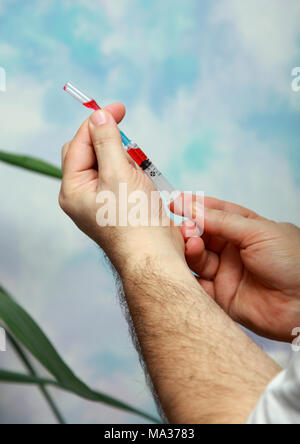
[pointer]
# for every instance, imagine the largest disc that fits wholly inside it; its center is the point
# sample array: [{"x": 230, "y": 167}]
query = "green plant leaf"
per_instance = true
[
  {"x": 29, "y": 334},
  {"x": 20, "y": 378},
  {"x": 29, "y": 366},
  {"x": 31, "y": 163}
]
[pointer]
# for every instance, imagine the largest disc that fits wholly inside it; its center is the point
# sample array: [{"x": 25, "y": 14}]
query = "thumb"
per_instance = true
[
  {"x": 231, "y": 227},
  {"x": 107, "y": 140}
]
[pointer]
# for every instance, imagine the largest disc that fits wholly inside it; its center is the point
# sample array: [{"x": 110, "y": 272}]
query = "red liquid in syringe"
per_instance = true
[
  {"x": 92, "y": 105},
  {"x": 135, "y": 153}
]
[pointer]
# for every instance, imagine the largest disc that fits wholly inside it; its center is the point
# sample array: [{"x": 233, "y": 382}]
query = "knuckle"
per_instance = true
[
  {"x": 225, "y": 218},
  {"x": 65, "y": 149},
  {"x": 292, "y": 228},
  {"x": 64, "y": 200},
  {"x": 106, "y": 135},
  {"x": 289, "y": 225},
  {"x": 108, "y": 176},
  {"x": 252, "y": 215},
  {"x": 229, "y": 219}
]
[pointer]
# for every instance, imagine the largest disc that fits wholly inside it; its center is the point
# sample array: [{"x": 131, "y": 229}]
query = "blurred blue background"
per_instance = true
[{"x": 207, "y": 86}]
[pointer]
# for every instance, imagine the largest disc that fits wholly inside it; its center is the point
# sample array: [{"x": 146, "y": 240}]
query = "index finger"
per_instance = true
[
  {"x": 229, "y": 207},
  {"x": 210, "y": 202}
]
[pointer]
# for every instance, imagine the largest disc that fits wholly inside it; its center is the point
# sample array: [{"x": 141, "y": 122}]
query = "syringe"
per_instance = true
[{"x": 133, "y": 149}]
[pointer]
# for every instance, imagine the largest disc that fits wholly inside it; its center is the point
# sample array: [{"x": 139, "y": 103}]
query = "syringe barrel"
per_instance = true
[{"x": 161, "y": 183}]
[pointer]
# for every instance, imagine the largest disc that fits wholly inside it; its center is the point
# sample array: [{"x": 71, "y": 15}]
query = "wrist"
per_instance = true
[
  {"x": 148, "y": 247},
  {"x": 155, "y": 274},
  {"x": 138, "y": 268}
]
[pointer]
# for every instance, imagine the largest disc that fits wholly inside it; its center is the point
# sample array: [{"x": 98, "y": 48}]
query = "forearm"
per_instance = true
[{"x": 203, "y": 367}]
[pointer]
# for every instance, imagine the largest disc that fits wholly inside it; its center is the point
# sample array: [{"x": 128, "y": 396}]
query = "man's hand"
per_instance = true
[
  {"x": 203, "y": 367},
  {"x": 96, "y": 161},
  {"x": 249, "y": 265}
]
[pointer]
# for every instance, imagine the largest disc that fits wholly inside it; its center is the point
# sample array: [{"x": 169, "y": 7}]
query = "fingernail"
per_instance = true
[
  {"x": 190, "y": 229},
  {"x": 197, "y": 210},
  {"x": 99, "y": 118}
]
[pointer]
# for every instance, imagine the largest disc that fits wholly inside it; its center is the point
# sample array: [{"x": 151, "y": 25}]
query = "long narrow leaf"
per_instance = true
[
  {"x": 29, "y": 366},
  {"x": 25, "y": 330},
  {"x": 20, "y": 378},
  {"x": 31, "y": 163}
]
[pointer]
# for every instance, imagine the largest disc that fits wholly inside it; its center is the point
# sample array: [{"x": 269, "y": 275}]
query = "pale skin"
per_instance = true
[
  {"x": 250, "y": 266},
  {"x": 203, "y": 366}
]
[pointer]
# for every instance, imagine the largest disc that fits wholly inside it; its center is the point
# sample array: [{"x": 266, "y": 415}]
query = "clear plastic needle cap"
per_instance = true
[{"x": 76, "y": 93}]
